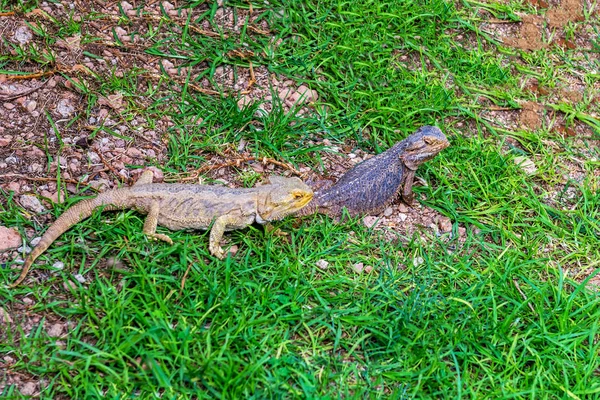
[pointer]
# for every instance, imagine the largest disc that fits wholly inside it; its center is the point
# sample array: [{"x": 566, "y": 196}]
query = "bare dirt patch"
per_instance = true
[
  {"x": 530, "y": 116},
  {"x": 536, "y": 32},
  {"x": 562, "y": 12},
  {"x": 528, "y": 35},
  {"x": 558, "y": 23},
  {"x": 538, "y": 3}
]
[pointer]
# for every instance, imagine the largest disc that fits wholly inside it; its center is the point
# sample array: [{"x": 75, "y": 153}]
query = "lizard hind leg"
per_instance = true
[
  {"x": 151, "y": 222},
  {"x": 216, "y": 234}
]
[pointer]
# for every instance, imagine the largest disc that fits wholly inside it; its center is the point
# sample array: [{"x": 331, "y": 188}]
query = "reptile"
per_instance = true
[
  {"x": 186, "y": 206},
  {"x": 373, "y": 184}
]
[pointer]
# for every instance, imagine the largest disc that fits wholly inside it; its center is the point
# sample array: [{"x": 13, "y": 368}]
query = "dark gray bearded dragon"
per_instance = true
[{"x": 372, "y": 185}]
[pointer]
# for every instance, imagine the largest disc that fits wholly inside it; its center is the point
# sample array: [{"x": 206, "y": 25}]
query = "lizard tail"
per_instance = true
[{"x": 111, "y": 200}]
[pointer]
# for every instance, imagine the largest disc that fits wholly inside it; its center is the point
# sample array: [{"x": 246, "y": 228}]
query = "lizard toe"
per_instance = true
[{"x": 160, "y": 236}]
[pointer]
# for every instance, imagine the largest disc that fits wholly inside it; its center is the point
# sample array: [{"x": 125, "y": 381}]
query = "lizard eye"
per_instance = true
[{"x": 428, "y": 140}]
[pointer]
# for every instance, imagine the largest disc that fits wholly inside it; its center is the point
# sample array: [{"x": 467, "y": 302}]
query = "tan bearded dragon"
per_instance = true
[{"x": 185, "y": 206}]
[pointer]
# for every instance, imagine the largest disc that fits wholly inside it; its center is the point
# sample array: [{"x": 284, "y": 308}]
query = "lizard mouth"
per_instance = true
[{"x": 305, "y": 200}]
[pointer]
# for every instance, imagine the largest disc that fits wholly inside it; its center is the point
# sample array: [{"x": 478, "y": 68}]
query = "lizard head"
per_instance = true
[
  {"x": 280, "y": 197},
  {"x": 422, "y": 146}
]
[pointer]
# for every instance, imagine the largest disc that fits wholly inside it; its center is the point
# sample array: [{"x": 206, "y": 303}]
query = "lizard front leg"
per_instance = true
[
  {"x": 269, "y": 228},
  {"x": 144, "y": 179},
  {"x": 216, "y": 234},
  {"x": 407, "y": 193},
  {"x": 151, "y": 222}
]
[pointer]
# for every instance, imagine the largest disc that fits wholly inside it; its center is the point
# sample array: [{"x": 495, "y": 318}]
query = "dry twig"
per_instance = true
[
  {"x": 35, "y": 179},
  {"x": 236, "y": 163},
  {"x": 516, "y": 283},
  {"x": 8, "y": 97},
  {"x": 111, "y": 168},
  {"x": 252, "y": 77},
  {"x": 185, "y": 275}
]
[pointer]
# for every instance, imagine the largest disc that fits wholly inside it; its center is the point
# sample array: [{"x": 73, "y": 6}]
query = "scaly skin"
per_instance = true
[
  {"x": 181, "y": 206},
  {"x": 372, "y": 185}
]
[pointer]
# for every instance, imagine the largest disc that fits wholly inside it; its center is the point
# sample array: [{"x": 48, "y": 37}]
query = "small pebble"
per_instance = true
[
  {"x": 444, "y": 224},
  {"x": 65, "y": 108},
  {"x": 28, "y": 301},
  {"x": 120, "y": 32},
  {"x": 58, "y": 265},
  {"x": 370, "y": 221},
  {"x": 233, "y": 250},
  {"x": 134, "y": 152},
  {"x": 28, "y": 389},
  {"x": 358, "y": 267},
  {"x": 55, "y": 330},
  {"x": 526, "y": 165},
  {"x": 5, "y": 318},
  {"x": 9, "y": 238},
  {"x": 31, "y": 106},
  {"x": 24, "y": 249},
  {"x": 322, "y": 264},
  {"x": 94, "y": 157},
  {"x": 31, "y": 203}
]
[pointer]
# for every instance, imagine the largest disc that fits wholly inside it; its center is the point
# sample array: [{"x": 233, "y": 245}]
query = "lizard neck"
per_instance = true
[{"x": 310, "y": 208}]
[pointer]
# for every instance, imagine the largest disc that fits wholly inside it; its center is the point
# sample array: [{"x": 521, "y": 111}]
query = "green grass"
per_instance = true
[{"x": 498, "y": 315}]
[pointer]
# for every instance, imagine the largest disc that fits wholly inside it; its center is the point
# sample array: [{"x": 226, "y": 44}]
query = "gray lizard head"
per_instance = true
[
  {"x": 281, "y": 197},
  {"x": 422, "y": 146}
]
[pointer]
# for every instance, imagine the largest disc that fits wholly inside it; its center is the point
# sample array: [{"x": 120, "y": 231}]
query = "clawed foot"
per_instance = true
[
  {"x": 217, "y": 251},
  {"x": 275, "y": 231},
  {"x": 409, "y": 199},
  {"x": 160, "y": 236}
]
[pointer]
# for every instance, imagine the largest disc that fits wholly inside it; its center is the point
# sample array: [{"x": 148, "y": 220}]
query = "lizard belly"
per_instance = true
[
  {"x": 175, "y": 223},
  {"x": 241, "y": 221},
  {"x": 199, "y": 213}
]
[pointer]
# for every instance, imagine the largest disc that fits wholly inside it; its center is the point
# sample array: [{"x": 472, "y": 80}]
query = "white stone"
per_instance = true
[
  {"x": 526, "y": 165},
  {"x": 322, "y": 264},
  {"x": 9, "y": 238},
  {"x": 58, "y": 265},
  {"x": 358, "y": 267},
  {"x": 31, "y": 203}
]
